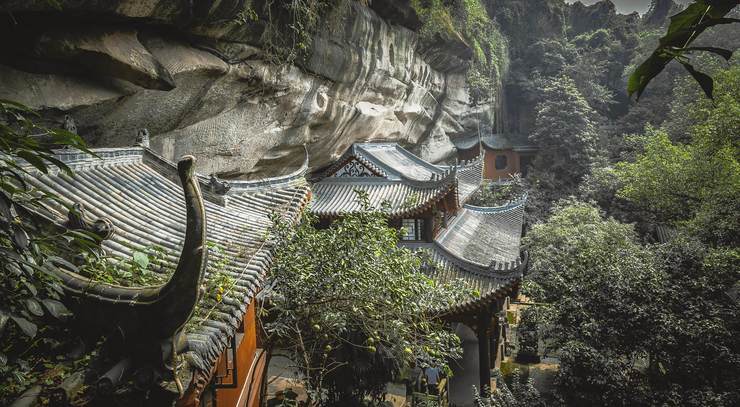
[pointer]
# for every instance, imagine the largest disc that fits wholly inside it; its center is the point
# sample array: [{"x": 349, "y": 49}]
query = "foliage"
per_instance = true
[
  {"x": 695, "y": 185},
  {"x": 352, "y": 308},
  {"x": 566, "y": 136},
  {"x": 529, "y": 338},
  {"x": 564, "y": 132},
  {"x": 290, "y": 25},
  {"x": 220, "y": 281},
  {"x": 695, "y": 352},
  {"x": 600, "y": 285},
  {"x": 144, "y": 267},
  {"x": 601, "y": 186},
  {"x": 497, "y": 194},
  {"x": 467, "y": 21},
  {"x": 521, "y": 393},
  {"x": 635, "y": 325},
  {"x": 30, "y": 295},
  {"x": 685, "y": 27},
  {"x": 490, "y": 52}
]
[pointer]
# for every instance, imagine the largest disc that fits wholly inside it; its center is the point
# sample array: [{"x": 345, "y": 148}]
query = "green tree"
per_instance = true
[
  {"x": 695, "y": 350},
  {"x": 696, "y": 185},
  {"x": 564, "y": 132},
  {"x": 635, "y": 325},
  {"x": 520, "y": 393},
  {"x": 352, "y": 308},
  {"x": 31, "y": 297},
  {"x": 600, "y": 285},
  {"x": 496, "y": 194}
]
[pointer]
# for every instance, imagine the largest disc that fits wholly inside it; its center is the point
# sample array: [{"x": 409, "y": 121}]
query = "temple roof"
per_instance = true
[
  {"x": 139, "y": 192},
  {"x": 335, "y": 196},
  {"x": 485, "y": 236},
  {"x": 390, "y": 174},
  {"x": 481, "y": 247},
  {"x": 469, "y": 178},
  {"x": 514, "y": 141},
  {"x": 394, "y": 161}
]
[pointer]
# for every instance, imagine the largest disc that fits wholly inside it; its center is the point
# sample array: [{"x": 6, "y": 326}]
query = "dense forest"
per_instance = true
[
  {"x": 632, "y": 223},
  {"x": 635, "y": 213}
]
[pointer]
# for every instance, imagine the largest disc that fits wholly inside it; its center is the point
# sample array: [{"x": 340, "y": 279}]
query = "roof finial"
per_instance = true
[
  {"x": 69, "y": 124},
  {"x": 218, "y": 186},
  {"x": 142, "y": 138}
]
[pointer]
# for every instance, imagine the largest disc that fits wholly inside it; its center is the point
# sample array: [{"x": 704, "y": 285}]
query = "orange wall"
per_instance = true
[
  {"x": 512, "y": 164},
  {"x": 245, "y": 354}
]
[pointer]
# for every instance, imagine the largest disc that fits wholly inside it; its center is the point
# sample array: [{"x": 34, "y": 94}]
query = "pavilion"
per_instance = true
[{"x": 427, "y": 202}]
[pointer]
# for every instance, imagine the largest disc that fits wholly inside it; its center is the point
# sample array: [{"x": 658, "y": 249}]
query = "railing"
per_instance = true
[{"x": 440, "y": 399}]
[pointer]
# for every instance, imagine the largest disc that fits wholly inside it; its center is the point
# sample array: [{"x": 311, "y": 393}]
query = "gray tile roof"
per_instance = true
[
  {"x": 334, "y": 196},
  {"x": 469, "y": 178},
  {"x": 479, "y": 247},
  {"x": 445, "y": 268},
  {"x": 485, "y": 236},
  {"x": 515, "y": 141},
  {"x": 396, "y": 162},
  {"x": 136, "y": 189},
  {"x": 406, "y": 182}
]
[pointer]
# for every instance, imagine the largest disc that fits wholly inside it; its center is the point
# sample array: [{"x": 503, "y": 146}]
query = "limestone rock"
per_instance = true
[
  {"x": 239, "y": 114},
  {"x": 105, "y": 52}
]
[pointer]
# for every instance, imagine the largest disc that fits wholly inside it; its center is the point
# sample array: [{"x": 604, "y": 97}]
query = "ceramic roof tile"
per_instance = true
[
  {"x": 135, "y": 189},
  {"x": 336, "y": 196},
  {"x": 483, "y": 236},
  {"x": 396, "y": 161}
]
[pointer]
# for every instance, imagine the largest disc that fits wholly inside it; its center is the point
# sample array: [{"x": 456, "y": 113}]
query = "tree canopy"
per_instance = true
[
  {"x": 353, "y": 309},
  {"x": 695, "y": 185}
]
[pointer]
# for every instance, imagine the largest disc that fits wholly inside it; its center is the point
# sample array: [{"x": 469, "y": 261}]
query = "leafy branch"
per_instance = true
[{"x": 685, "y": 27}]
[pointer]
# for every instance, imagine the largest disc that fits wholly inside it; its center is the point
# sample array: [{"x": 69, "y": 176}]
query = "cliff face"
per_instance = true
[{"x": 199, "y": 81}]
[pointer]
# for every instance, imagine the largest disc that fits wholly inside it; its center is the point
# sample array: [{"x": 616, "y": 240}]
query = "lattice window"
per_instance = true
[
  {"x": 412, "y": 229},
  {"x": 354, "y": 168}
]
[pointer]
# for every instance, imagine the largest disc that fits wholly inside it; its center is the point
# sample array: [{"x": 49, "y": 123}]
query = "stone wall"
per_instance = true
[{"x": 198, "y": 80}]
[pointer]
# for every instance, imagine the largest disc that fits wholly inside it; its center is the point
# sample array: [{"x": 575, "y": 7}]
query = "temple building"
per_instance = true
[
  {"x": 420, "y": 197},
  {"x": 427, "y": 202},
  {"x": 504, "y": 154},
  {"x": 193, "y": 336},
  {"x": 196, "y": 332}
]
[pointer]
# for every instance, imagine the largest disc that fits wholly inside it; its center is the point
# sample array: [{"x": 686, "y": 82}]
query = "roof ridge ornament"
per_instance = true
[
  {"x": 142, "y": 138},
  {"x": 148, "y": 320},
  {"x": 77, "y": 219},
  {"x": 70, "y": 126},
  {"x": 218, "y": 186}
]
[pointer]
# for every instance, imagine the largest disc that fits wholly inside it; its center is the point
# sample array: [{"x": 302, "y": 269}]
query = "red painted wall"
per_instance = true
[
  {"x": 489, "y": 166},
  {"x": 245, "y": 354}
]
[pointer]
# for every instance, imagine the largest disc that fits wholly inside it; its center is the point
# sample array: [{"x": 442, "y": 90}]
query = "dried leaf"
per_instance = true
[{"x": 20, "y": 238}]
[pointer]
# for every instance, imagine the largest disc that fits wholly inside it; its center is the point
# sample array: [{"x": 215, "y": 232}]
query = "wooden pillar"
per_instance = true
[
  {"x": 484, "y": 351},
  {"x": 494, "y": 338}
]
